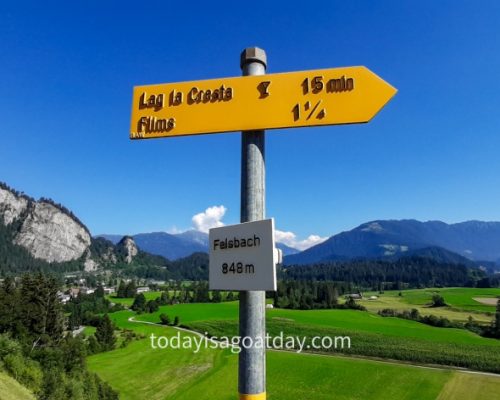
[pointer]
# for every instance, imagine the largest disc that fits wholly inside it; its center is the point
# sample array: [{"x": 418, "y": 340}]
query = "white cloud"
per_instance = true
[
  {"x": 211, "y": 218},
  {"x": 290, "y": 239},
  {"x": 174, "y": 230}
]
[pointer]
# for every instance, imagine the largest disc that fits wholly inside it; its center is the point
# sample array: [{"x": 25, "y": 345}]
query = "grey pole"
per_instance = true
[{"x": 252, "y": 361}]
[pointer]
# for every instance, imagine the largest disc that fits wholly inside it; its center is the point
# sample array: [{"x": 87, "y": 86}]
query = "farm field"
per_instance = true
[
  {"x": 139, "y": 371},
  {"x": 461, "y": 301},
  {"x": 371, "y": 334}
]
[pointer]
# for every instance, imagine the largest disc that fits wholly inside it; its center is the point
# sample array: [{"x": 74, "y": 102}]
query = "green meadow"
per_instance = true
[
  {"x": 139, "y": 371},
  {"x": 345, "y": 319}
]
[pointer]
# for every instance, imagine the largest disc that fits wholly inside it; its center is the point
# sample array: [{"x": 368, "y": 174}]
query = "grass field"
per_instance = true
[
  {"x": 345, "y": 319},
  {"x": 461, "y": 303},
  {"x": 10, "y": 389},
  {"x": 127, "y": 302},
  {"x": 371, "y": 334},
  {"x": 139, "y": 372}
]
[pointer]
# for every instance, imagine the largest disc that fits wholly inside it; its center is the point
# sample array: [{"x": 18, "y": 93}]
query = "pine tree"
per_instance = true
[
  {"x": 9, "y": 306},
  {"x": 99, "y": 292},
  {"x": 105, "y": 334},
  {"x": 139, "y": 303},
  {"x": 164, "y": 298},
  {"x": 122, "y": 290},
  {"x": 41, "y": 310},
  {"x": 131, "y": 290}
]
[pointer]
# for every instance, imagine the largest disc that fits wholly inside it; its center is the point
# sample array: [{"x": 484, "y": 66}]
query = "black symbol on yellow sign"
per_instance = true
[
  {"x": 309, "y": 111},
  {"x": 264, "y": 89}
]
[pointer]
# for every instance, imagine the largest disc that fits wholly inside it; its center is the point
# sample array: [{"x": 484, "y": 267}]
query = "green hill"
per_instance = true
[{"x": 10, "y": 389}]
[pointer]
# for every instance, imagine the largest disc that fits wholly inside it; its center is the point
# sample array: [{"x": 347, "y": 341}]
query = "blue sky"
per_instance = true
[{"x": 433, "y": 152}]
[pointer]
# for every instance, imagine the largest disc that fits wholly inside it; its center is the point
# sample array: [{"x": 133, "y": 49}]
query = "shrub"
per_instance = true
[
  {"x": 165, "y": 319},
  {"x": 438, "y": 301}
]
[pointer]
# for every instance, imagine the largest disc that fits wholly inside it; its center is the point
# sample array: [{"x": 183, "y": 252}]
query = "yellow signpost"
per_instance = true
[
  {"x": 295, "y": 99},
  {"x": 253, "y": 103}
]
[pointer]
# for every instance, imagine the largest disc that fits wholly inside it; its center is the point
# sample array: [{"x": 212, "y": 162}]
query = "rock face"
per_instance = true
[
  {"x": 47, "y": 232},
  {"x": 90, "y": 265},
  {"x": 50, "y": 234},
  {"x": 11, "y": 206},
  {"x": 129, "y": 248}
]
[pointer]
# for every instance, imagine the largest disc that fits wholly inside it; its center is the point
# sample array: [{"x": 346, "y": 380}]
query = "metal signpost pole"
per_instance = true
[{"x": 252, "y": 360}]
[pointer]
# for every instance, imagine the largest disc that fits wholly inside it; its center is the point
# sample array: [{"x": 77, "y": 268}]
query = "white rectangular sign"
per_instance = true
[{"x": 242, "y": 257}]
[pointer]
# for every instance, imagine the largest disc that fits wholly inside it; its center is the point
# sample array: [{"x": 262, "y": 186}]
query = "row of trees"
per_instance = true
[
  {"x": 197, "y": 292},
  {"x": 308, "y": 295},
  {"x": 165, "y": 320},
  {"x": 126, "y": 290}
]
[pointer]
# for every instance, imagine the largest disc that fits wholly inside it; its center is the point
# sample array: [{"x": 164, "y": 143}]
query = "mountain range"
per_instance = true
[
  {"x": 34, "y": 232},
  {"x": 177, "y": 245},
  {"x": 474, "y": 240}
]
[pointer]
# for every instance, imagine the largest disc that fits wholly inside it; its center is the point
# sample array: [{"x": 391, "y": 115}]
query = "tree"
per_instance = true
[
  {"x": 177, "y": 321},
  {"x": 122, "y": 290},
  {"x": 99, "y": 292},
  {"x": 438, "y": 301},
  {"x": 165, "y": 319},
  {"x": 40, "y": 308},
  {"x": 164, "y": 298},
  {"x": 216, "y": 296},
  {"x": 105, "y": 334},
  {"x": 131, "y": 290},
  {"x": 74, "y": 353},
  {"x": 93, "y": 346},
  {"x": 152, "y": 306},
  {"x": 139, "y": 303},
  {"x": 9, "y": 306}
]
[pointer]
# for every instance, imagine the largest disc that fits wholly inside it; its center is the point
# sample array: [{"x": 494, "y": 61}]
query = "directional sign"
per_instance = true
[
  {"x": 307, "y": 98},
  {"x": 243, "y": 256}
]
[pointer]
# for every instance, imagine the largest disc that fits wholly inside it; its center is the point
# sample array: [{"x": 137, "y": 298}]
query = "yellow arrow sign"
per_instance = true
[{"x": 295, "y": 99}]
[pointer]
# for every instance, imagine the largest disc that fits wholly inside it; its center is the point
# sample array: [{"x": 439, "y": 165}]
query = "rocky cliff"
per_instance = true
[
  {"x": 51, "y": 235},
  {"x": 128, "y": 248},
  {"x": 47, "y": 231},
  {"x": 12, "y": 205},
  {"x": 42, "y": 234}
]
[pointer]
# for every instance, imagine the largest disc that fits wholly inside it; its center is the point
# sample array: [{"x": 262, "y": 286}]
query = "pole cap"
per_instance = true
[{"x": 253, "y": 54}]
